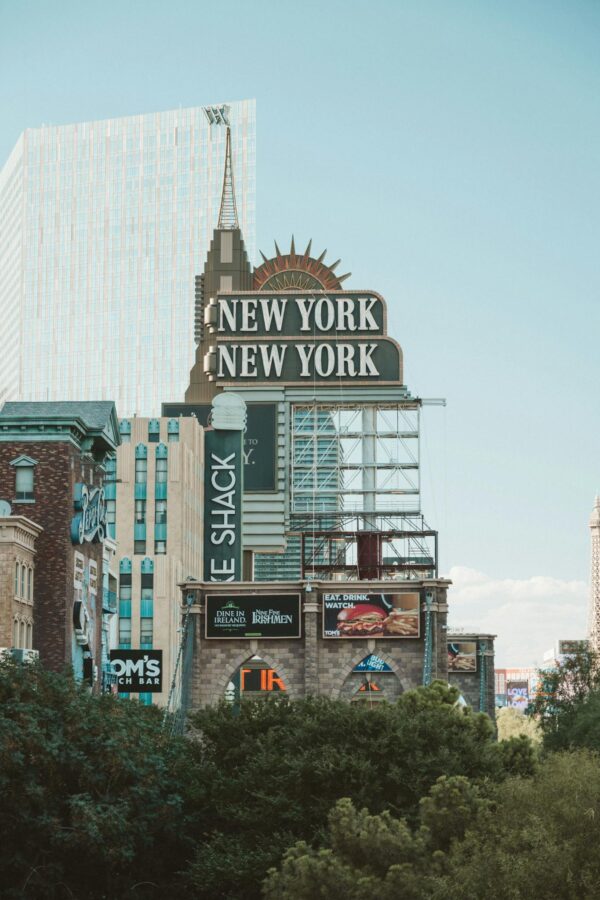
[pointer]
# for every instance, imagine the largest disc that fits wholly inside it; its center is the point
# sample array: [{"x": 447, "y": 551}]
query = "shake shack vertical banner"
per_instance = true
[{"x": 223, "y": 452}]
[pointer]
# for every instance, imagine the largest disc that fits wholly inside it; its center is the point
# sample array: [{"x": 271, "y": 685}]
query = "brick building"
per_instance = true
[{"x": 51, "y": 470}]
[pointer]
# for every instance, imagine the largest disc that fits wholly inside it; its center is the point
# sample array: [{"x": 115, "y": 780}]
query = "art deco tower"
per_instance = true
[{"x": 594, "y": 612}]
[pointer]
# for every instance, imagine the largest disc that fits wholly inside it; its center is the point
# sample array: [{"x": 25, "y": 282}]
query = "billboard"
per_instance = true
[
  {"x": 137, "y": 671},
  {"x": 223, "y": 488},
  {"x": 260, "y": 440},
  {"x": 462, "y": 656},
  {"x": 567, "y": 648},
  {"x": 517, "y": 695},
  {"x": 252, "y": 616},
  {"x": 354, "y": 615}
]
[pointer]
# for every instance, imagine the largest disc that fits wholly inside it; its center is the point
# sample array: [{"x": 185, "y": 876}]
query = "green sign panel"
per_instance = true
[
  {"x": 223, "y": 490},
  {"x": 260, "y": 440},
  {"x": 266, "y": 314},
  {"x": 308, "y": 362}
]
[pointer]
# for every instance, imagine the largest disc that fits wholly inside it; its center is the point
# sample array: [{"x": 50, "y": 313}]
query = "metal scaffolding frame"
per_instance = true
[{"x": 355, "y": 491}]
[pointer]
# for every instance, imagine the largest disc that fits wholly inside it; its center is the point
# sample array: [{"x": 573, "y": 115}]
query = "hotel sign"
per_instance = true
[
  {"x": 300, "y": 339},
  {"x": 89, "y": 523}
]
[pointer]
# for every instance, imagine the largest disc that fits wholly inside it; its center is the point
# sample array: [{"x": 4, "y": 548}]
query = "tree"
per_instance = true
[
  {"x": 513, "y": 723},
  {"x": 531, "y": 837},
  {"x": 93, "y": 792},
  {"x": 568, "y": 702},
  {"x": 274, "y": 772}
]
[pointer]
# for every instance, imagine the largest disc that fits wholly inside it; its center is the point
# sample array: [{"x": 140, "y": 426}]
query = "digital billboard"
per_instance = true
[
  {"x": 370, "y": 615},
  {"x": 252, "y": 616},
  {"x": 462, "y": 656},
  {"x": 517, "y": 694}
]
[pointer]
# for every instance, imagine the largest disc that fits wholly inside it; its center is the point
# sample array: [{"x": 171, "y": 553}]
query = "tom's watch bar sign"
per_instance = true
[
  {"x": 137, "y": 671},
  {"x": 253, "y": 616}
]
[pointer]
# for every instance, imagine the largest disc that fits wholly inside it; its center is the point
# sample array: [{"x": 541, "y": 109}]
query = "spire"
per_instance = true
[{"x": 228, "y": 218}]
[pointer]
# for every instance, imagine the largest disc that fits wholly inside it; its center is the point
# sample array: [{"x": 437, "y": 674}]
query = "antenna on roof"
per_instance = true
[{"x": 228, "y": 218}]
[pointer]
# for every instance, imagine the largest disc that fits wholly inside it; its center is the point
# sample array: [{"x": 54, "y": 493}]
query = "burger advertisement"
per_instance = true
[
  {"x": 462, "y": 656},
  {"x": 371, "y": 615}
]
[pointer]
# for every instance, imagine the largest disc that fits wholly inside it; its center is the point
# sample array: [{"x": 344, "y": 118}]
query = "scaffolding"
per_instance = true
[{"x": 355, "y": 492}]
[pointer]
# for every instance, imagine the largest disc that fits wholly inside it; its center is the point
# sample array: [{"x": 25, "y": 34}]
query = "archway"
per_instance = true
[{"x": 255, "y": 679}]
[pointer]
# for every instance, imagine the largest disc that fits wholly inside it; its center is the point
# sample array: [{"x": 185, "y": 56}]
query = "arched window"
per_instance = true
[
  {"x": 23, "y": 594},
  {"x": 30, "y": 584},
  {"x": 29, "y": 635},
  {"x": 173, "y": 430},
  {"x": 153, "y": 431},
  {"x": 125, "y": 431},
  {"x": 22, "y": 638},
  {"x": 16, "y": 633},
  {"x": 17, "y": 579},
  {"x": 141, "y": 464},
  {"x": 162, "y": 464}
]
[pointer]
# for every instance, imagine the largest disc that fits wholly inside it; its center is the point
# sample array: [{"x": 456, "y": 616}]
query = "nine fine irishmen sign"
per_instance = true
[{"x": 301, "y": 339}]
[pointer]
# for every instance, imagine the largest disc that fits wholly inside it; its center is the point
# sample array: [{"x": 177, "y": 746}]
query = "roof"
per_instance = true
[{"x": 94, "y": 421}]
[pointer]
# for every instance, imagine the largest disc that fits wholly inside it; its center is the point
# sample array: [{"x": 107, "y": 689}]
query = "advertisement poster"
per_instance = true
[
  {"x": 354, "y": 615},
  {"x": 137, "y": 671},
  {"x": 517, "y": 695},
  {"x": 252, "y": 616},
  {"x": 223, "y": 490},
  {"x": 462, "y": 656},
  {"x": 372, "y": 663},
  {"x": 260, "y": 440}
]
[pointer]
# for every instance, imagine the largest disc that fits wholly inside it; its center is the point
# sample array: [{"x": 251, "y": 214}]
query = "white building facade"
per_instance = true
[{"x": 103, "y": 227}]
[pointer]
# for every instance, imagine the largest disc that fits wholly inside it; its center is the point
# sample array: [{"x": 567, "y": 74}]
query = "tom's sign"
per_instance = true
[
  {"x": 301, "y": 339},
  {"x": 137, "y": 671}
]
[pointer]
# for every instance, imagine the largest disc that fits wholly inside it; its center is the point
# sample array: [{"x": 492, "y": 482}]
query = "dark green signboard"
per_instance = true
[
  {"x": 266, "y": 314},
  {"x": 223, "y": 490},
  {"x": 252, "y": 616},
  {"x": 260, "y": 440},
  {"x": 306, "y": 362}
]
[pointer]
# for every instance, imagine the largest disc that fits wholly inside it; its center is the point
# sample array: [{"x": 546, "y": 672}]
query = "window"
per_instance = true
[
  {"x": 140, "y": 512},
  {"x": 146, "y": 630},
  {"x": 125, "y": 431},
  {"x": 15, "y": 633},
  {"x": 23, "y": 594},
  {"x": 141, "y": 471},
  {"x": 162, "y": 465},
  {"x": 147, "y": 603},
  {"x": 29, "y": 635},
  {"x": 160, "y": 512},
  {"x": 24, "y": 483},
  {"x": 139, "y": 547},
  {"x": 110, "y": 468},
  {"x": 173, "y": 430},
  {"x": 111, "y": 517},
  {"x": 124, "y": 634},
  {"x": 153, "y": 431},
  {"x": 30, "y": 584},
  {"x": 23, "y": 639},
  {"x": 17, "y": 579},
  {"x": 160, "y": 547}
]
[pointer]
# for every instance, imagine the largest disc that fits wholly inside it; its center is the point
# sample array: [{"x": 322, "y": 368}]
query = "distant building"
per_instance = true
[
  {"x": 471, "y": 669},
  {"x": 105, "y": 224},
  {"x": 154, "y": 496},
  {"x": 52, "y": 459}
]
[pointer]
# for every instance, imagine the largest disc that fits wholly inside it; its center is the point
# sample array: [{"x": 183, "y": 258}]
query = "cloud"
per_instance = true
[{"x": 528, "y": 615}]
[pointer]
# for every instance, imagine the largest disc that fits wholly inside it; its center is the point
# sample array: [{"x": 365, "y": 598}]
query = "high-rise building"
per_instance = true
[
  {"x": 104, "y": 227},
  {"x": 594, "y": 608}
]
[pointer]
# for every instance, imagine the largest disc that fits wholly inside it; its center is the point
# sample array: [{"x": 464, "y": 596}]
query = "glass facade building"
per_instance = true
[{"x": 104, "y": 226}]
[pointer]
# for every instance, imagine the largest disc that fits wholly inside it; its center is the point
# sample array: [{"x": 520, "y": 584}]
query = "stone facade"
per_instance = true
[
  {"x": 17, "y": 566},
  {"x": 313, "y": 664},
  {"x": 478, "y": 687}
]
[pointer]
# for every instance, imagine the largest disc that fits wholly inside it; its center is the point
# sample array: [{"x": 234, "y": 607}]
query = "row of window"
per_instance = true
[
  {"x": 23, "y": 634},
  {"x": 153, "y": 431},
  {"x": 146, "y": 604},
  {"x": 23, "y": 581}
]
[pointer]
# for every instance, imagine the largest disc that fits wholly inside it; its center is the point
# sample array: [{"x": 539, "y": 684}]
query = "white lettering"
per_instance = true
[
  {"x": 366, "y": 367},
  {"x": 249, "y": 315},
  {"x": 273, "y": 311},
  {"x": 226, "y": 313},
  {"x": 304, "y": 312},
  {"x": 346, "y": 315},
  {"x": 326, "y": 304},
  {"x": 305, "y": 351},
  {"x": 228, "y": 357},
  {"x": 320, "y": 369},
  {"x": 365, "y": 305},
  {"x": 345, "y": 361},
  {"x": 248, "y": 361},
  {"x": 272, "y": 358}
]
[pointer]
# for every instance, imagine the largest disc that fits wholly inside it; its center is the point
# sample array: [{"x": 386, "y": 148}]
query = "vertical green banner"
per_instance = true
[{"x": 223, "y": 490}]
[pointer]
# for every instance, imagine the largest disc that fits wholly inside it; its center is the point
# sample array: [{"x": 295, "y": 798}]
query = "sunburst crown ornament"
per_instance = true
[{"x": 297, "y": 272}]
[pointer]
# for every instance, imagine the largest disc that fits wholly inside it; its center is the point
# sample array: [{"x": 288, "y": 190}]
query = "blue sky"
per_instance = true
[{"x": 448, "y": 153}]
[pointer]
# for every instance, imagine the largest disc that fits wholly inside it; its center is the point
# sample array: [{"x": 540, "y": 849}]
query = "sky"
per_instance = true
[{"x": 448, "y": 152}]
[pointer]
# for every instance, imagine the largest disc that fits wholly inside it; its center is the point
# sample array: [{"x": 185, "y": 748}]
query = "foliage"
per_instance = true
[
  {"x": 90, "y": 790},
  {"x": 513, "y": 723},
  {"x": 533, "y": 838},
  {"x": 275, "y": 771},
  {"x": 568, "y": 703}
]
